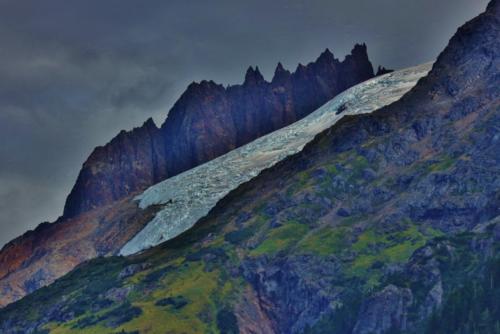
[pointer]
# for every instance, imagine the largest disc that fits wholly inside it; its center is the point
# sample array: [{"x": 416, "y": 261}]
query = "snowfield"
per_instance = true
[{"x": 189, "y": 196}]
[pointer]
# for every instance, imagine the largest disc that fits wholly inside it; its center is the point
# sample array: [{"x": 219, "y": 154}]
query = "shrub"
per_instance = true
[
  {"x": 227, "y": 322},
  {"x": 236, "y": 237},
  {"x": 176, "y": 302}
]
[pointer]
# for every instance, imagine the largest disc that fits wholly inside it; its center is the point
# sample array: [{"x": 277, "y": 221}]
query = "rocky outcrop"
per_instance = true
[
  {"x": 41, "y": 256},
  {"x": 292, "y": 290},
  {"x": 132, "y": 160},
  {"x": 382, "y": 70},
  {"x": 209, "y": 120},
  {"x": 386, "y": 310},
  {"x": 251, "y": 318}
]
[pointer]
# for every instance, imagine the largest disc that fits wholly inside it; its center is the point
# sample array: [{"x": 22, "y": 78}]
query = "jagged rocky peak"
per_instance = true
[
  {"x": 132, "y": 160},
  {"x": 358, "y": 55},
  {"x": 359, "y": 50},
  {"x": 280, "y": 74},
  {"x": 301, "y": 70},
  {"x": 195, "y": 94},
  {"x": 253, "y": 76},
  {"x": 327, "y": 57},
  {"x": 381, "y": 70},
  {"x": 149, "y": 124},
  {"x": 200, "y": 88},
  {"x": 494, "y": 7},
  {"x": 209, "y": 120}
]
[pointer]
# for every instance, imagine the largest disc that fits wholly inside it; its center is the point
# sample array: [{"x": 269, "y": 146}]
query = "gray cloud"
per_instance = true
[{"x": 73, "y": 73}]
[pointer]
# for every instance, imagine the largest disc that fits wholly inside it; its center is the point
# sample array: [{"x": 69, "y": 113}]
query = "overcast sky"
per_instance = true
[{"x": 74, "y": 73}]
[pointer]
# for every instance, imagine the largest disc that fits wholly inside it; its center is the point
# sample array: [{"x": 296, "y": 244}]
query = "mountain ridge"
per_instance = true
[
  {"x": 209, "y": 120},
  {"x": 385, "y": 223}
]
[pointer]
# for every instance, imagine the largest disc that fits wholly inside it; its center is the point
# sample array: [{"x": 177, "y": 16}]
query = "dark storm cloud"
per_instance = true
[{"x": 73, "y": 73}]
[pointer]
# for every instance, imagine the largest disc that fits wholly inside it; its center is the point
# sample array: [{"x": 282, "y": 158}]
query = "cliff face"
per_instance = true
[
  {"x": 386, "y": 223},
  {"x": 131, "y": 161},
  {"x": 207, "y": 121},
  {"x": 51, "y": 250}
]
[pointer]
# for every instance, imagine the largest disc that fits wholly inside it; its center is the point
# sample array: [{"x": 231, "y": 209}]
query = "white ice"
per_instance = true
[{"x": 189, "y": 196}]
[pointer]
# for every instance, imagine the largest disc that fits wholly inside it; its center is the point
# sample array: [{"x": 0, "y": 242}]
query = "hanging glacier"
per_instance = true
[{"x": 189, "y": 196}]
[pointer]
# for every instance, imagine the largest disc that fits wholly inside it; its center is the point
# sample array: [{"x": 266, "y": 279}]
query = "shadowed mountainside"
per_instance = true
[
  {"x": 209, "y": 120},
  {"x": 385, "y": 223}
]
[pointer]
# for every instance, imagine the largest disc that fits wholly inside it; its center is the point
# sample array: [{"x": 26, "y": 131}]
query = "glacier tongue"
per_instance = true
[{"x": 189, "y": 196}]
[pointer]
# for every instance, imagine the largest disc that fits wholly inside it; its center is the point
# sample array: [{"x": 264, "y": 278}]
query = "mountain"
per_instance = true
[
  {"x": 209, "y": 120},
  {"x": 101, "y": 215},
  {"x": 190, "y": 196},
  {"x": 385, "y": 223}
]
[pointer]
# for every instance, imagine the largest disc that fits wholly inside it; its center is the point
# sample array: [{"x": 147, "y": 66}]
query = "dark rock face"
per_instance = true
[
  {"x": 131, "y": 161},
  {"x": 209, "y": 120},
  {"x": 292, "y": 290},
  {"x": 382, "y": 70},
  {"x": 39, "y": 257},
  {"x": 384, "y": 311}
]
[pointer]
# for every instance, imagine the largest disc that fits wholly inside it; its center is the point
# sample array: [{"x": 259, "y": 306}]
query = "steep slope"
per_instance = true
[
  {"x": 209, "y": 120},
  {"x": 377, "y": 226},
  {"x": 131, "y": 161},
  {"x": 189, "y": 196},
  {"x": 134, "y": 160},
  {"x": 51, "y": 250}
]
